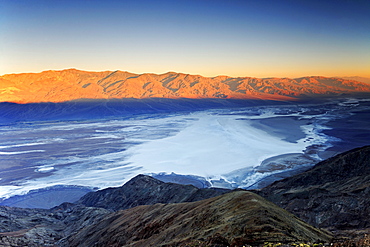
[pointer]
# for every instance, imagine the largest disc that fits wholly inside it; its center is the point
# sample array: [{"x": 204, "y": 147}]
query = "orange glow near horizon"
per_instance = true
[{"x": 210, "y": 72}]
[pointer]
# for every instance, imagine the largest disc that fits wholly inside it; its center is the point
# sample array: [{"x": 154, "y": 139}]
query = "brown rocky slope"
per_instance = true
[
  {"x": 72, "y": 84},
  {"x": 334, "y": 194},
  {"x": 233, "y": 219}
]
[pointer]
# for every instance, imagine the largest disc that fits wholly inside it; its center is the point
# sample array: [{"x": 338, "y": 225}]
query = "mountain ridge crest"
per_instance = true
[{"x": 73, "y": 84}]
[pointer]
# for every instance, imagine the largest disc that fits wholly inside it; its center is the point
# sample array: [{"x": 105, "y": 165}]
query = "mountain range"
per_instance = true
[
  {"x": 72, "y": 84},
  {"x": 328, "y": 204}
]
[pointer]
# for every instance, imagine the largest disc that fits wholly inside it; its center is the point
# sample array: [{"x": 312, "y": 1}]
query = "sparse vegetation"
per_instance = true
[{"x": 363, "y": 242}]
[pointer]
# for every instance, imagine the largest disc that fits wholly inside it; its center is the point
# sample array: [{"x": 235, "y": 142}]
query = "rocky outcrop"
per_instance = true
[
  {"x": 43, "y": 227},
  {"x": 146, "y": 190},
  {"x": 71, "y": 84},
  {"x": 334, "y": 194},
  {"x": 234, "y": 219}
]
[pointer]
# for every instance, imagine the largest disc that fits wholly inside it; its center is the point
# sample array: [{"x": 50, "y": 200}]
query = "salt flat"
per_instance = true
[
  {"x": 246, "y": 147},
  {"x": 212, "y": 146}
]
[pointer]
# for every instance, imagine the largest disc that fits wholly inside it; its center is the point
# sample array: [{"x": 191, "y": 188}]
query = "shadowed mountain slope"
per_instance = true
[
  {"x": 145, "y": 190},
  {"x": 334, "y": 194},
  {"x": 44, "y": 227},
  {"x": 235, "y": 218},
  {"x": 72, "y": 84}
]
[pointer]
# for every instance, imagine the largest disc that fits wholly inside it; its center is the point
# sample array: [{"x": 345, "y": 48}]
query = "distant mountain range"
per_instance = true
[{"x": 72, "y": 84}]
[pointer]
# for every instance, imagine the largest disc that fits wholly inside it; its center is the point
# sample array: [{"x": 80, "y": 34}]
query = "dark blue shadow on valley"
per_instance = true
[{"x": 114, "y": 108}]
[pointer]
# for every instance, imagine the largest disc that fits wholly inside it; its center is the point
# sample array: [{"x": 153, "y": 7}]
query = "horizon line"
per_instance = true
[{"x": 170, "y": 71}]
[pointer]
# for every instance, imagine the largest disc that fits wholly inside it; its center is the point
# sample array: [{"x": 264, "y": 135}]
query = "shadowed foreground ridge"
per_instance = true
[
  {"x": 235, "y": 218},
  {"x": 334, "y": 194},
  {"x": 146, "y": 190}
]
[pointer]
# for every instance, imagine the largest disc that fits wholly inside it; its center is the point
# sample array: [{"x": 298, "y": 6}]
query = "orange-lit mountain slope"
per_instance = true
[{"x": 71, "y": 84}]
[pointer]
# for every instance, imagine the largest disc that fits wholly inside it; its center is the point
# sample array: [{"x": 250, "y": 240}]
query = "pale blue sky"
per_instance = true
[{"x": 208, "y": 37}]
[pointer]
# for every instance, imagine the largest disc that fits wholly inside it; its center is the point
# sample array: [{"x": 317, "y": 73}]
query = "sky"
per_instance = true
[{"x": 256, "y": 38}]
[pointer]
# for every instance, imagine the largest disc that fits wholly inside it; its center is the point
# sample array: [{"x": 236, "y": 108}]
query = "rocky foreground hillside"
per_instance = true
[
  {"x": 71, "y": 84},
  {"x": 147, "y": 212},
  {"x": 237, "y": 218},
  {"x": 334, "y": 194}
]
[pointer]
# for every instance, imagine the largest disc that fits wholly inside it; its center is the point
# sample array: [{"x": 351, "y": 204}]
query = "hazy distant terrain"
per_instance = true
[{"x": 357, "y": 78}]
